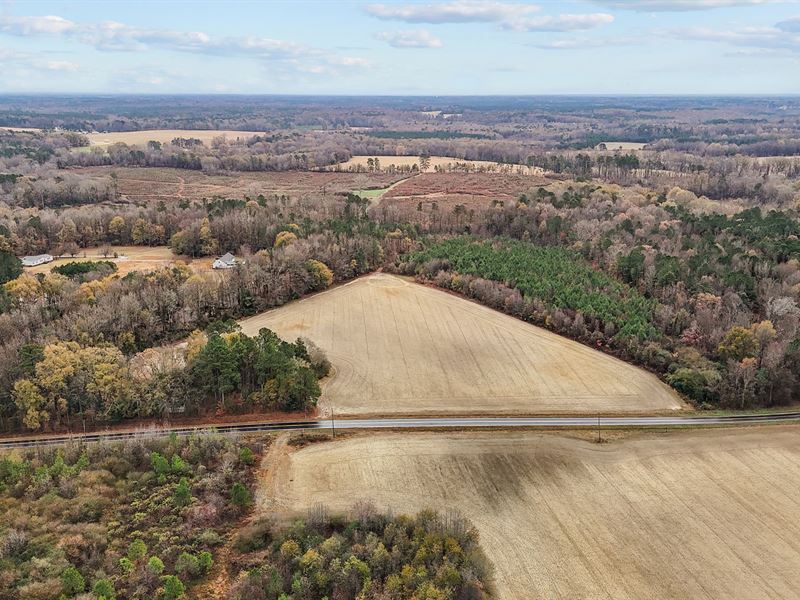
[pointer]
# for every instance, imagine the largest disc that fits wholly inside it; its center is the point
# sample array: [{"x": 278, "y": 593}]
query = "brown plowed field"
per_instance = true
[
  {"x": 700, "y": 515},
  {"x": 494, "y": 185},
  {"x": 402, "y": 348},
  {"x": 153, "y": 184}
]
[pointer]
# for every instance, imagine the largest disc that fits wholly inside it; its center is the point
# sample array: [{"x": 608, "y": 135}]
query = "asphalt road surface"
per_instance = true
[{"x": 414, "y": 423}]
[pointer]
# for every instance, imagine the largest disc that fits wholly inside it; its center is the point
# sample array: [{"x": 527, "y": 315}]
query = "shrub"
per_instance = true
[
  {"x": 137, "y": 550},
  {"x": 155, "y": 565},
  {"x": 103, "y": 588},
  {"x": 246, "y": 456},
  {"x": 240, "y": 495},
  {"x": 206, "y": 561},
  {"x": 183, "y": 494},
  {"x": 173, "y": 588},
  {"x": 160, "y": 464},
  {"x": 72, "y": 581},
  {"x": 125, "y": 565},
  {"x": 188, "y": 565}
]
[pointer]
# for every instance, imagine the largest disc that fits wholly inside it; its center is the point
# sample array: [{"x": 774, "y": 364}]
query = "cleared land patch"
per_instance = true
[
  {"x": 128, "y": 258},
  {"x": 700, "y": 515},
  {"x": 494, "y": 185},
  {"x": 165, "y": 136},
  {"x": 154, "y": 183},
  {"x": 402, "y": 348}
]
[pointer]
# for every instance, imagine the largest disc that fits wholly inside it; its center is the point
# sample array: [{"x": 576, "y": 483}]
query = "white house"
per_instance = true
[
  {"x": 227, "y": 261},
  {"x": 39, "y": 259}
]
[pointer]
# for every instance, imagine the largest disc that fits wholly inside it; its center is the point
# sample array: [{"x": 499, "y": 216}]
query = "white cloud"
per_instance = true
[
  {"x": 459, "y": 11},
  {"x": 560, "y": 22},
  {"x": 410, "y": 38},
  {"x": 780, "y": 37},
  {"x": 28, "y": 61},
  {"x": 48, "y": 25},
  {"x": 349, "y": 61},
  {"x": 791, "y": 25},
  {"x": 112, "y": 36},
  {"x": 681, "y": 5},
  {"x": 59, "y": 65},
  {"x": 587, "y": 43},
  {"x": 507, "y": 15}
]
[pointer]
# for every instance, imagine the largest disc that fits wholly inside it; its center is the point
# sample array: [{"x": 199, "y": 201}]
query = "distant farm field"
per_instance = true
[
  {"x": 165, "y": 136},
  {"x": 493, "y": 185},
  {"x": 443, "y": 162},
  {"x": 156, "y": 184},
  {"x": 624, "y": 146},
  {"x": 398, "y": 347},
  {"x": 701, "y": 515}
]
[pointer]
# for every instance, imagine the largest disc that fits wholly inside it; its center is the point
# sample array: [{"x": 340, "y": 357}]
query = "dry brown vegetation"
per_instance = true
[
  {"x": 688, "y": 515},
  {"x": 151, "y": 183},
  {"x": 494, "y": 185},
  {"x": 401, "y": 348}
]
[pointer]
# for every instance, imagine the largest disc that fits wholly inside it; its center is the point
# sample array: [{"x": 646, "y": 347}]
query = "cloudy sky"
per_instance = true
[{"x": 448, "y": 47}]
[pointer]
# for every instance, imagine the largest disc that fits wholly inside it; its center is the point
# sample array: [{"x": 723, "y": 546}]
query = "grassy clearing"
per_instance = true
[{"x": 376, "y": 193}]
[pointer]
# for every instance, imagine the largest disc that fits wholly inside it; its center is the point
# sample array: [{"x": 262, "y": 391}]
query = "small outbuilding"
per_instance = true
[
  {"x": 226, "y": 261},
  {"x": 39, "y": 259}
]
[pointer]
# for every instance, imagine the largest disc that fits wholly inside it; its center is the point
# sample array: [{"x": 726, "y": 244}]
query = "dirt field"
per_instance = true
[
  {"x": 701, "y": 515},
  {"x": 443, "y": 162},
  {"x": 493, "y": 185},
  {"x": 400, "y": 348},
  {"x": 129, "y": 258},
  {"x": 153, "y": 184}
]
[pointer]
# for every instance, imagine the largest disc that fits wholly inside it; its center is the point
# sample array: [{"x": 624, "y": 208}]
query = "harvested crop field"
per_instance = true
[
  {"x": 398, "y": 347},
  {"x": 165, "y": 136},
  {"x": 493, "y": 185},
  {"x": 154, "y": 184},
  {"x": 441, "y": 162},
  {"x": 702, "y": 515}
]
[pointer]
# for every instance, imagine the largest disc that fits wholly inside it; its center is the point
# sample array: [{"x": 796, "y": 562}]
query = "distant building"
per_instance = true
[
  {"x": 39, "y": 259},
  {"x": 227, "y": 261}
]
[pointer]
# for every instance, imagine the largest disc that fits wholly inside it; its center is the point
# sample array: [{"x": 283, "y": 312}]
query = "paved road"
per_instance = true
[{"x": 418, "y": 423}]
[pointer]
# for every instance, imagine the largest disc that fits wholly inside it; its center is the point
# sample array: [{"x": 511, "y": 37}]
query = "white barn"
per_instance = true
[
  {"x": 226, "y": 261},
  {"x": 39, "y": 259}
]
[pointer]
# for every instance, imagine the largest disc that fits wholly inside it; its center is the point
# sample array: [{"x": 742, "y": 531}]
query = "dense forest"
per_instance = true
[{"x": 367, "y": 555}]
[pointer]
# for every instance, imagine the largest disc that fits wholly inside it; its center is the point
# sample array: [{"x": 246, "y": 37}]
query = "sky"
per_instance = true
[{"x": 456, "y": 47}]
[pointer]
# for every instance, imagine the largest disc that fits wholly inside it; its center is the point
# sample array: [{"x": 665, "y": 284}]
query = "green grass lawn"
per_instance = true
[{"x": 370, "y": 193}]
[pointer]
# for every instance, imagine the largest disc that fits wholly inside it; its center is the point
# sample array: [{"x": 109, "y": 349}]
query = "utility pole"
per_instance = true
[
  {"x": 333, "y": 423},
  {"x": 599, "y": 439}
]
